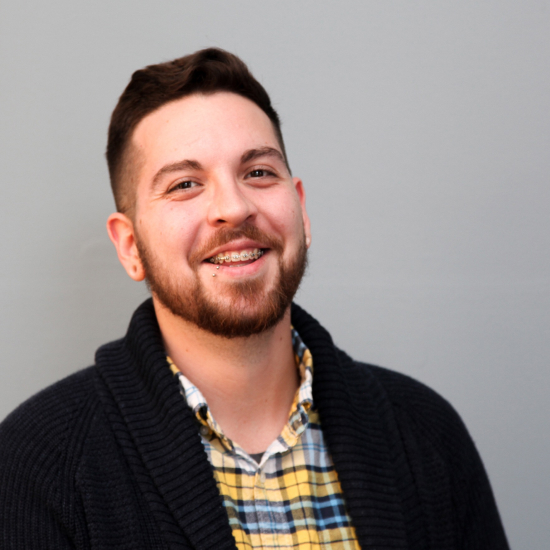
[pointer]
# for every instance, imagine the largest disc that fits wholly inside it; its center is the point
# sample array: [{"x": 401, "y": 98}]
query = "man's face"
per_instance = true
[{"x": 220, "y": 225}]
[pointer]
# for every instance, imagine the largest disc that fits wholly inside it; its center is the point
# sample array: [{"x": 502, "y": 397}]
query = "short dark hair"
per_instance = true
[{"x": 206, "y": 72}]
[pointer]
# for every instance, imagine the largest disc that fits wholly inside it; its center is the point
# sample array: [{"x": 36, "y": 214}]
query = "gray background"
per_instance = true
[{"x": 421, "y": 131}]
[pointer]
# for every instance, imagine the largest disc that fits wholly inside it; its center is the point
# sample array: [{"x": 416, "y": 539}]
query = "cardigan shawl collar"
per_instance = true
[{"x": 159, "y": 437}]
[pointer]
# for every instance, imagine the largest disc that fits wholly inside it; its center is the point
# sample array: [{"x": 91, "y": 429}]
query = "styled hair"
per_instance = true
[{"x": 205, "y": 72}]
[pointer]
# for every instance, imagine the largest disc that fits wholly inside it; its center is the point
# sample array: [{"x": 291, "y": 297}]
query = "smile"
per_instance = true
[{"x": 237, "y": 257}]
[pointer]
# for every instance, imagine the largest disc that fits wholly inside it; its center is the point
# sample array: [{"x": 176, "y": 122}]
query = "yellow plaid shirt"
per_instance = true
[{"x": 290, "y": 499}]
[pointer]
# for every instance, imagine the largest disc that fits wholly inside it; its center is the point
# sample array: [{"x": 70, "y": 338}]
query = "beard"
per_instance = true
[{"x": 245, "y": 307}]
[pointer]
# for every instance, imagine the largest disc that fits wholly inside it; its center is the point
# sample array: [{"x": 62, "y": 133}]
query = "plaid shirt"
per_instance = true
[{"x": 290, "y": 499}]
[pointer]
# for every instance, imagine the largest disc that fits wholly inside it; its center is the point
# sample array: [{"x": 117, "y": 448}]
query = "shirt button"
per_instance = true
[{"x": 205, "y": 430}]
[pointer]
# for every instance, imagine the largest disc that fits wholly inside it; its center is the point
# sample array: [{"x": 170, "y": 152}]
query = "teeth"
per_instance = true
[{"x": 245, "y": 255}]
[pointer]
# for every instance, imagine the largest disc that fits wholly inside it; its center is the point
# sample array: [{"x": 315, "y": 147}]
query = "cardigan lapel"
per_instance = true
[
  {"x": 361, "y": 436},
  {"x": 160, "y": 427},
  {"x": 158, "y": 424}
]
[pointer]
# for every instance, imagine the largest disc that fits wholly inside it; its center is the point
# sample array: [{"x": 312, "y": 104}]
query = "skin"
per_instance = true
[{"x": 248, "y": 382}]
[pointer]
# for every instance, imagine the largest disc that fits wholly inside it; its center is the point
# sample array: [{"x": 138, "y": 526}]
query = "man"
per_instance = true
[{"x": 226, "y": 416}]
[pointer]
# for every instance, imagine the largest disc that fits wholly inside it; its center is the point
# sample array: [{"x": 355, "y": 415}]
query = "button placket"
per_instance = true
[{"x": 260, "y": 496}]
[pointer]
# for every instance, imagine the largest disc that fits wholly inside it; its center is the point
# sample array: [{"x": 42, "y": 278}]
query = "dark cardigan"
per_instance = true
[{"x": 111, "y": 457}]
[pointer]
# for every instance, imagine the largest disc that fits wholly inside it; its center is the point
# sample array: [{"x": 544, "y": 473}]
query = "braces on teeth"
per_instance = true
[{"x": 236, "y": 257}]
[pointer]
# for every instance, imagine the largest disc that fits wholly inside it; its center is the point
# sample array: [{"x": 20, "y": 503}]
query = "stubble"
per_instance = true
[{"x": 246, "y": 307}]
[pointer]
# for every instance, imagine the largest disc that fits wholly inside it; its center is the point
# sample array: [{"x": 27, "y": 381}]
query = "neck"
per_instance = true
[{"x": 249, "y": 383}]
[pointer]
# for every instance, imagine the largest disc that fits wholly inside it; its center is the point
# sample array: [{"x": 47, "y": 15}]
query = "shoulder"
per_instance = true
[
  {"x": 44, "y": 426},
  {"x": 54, "y": 402},
  {"x": 413, "y": 397},
  {"x": 41, "y": 446},
  {"x": 419, "y": 411},
  {"x": 402, "y": 390}
]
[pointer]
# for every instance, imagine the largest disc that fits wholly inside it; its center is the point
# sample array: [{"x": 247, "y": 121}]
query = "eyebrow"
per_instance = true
[
  {"x": 253, "y": 154},
  {"x": 186, "y": 164}
]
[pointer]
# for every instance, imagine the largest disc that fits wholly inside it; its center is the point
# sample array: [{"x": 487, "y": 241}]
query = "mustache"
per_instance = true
[{"x": 226, "y": 235}]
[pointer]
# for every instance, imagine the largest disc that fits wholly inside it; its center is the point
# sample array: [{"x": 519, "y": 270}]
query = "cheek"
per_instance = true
[
  {"x": 285, "y": 212},
  {"x": 288, "y": 225},
  {"x": 293, "y": 217},
  {"x": 172, "y": 233}
]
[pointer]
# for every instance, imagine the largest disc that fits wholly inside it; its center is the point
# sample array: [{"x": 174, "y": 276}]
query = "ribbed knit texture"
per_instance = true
[{"x": 111, "y": 457}]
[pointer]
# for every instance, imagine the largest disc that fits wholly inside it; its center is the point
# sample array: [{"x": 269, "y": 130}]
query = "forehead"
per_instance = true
[{"x": 210, "y": 129}]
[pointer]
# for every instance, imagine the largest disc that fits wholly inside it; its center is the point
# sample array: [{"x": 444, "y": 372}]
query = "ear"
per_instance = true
[
  {"x": 121, "y": 232},
  {"x": 299, "y": 186}
]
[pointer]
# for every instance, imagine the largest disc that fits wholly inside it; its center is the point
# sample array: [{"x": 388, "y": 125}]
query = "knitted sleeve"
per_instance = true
[
  {"x": 38, "y": 459},
  {"x": 452, "y": 483}
]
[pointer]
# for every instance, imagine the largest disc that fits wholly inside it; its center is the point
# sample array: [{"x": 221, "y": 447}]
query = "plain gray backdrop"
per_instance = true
[{"x": 421, "y": 131}]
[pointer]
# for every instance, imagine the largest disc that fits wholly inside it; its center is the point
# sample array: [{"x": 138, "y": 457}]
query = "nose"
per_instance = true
[{"x": 230, "y": 204}]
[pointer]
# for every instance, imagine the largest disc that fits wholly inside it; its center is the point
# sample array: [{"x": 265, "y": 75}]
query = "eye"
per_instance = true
[
  {"x": 260, "y": 173},
  {"x": 187, "y": 184}
]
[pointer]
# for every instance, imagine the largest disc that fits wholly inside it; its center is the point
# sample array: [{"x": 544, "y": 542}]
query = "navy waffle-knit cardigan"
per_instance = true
[{"x": 111, "y": 457}]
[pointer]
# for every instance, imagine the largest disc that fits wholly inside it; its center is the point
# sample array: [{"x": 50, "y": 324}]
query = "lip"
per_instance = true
[
  {"x": 238, "y": 244},
  {"x": 235, "y": 272}
]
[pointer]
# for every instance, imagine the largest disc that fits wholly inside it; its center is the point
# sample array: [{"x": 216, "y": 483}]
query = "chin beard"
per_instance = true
[{"x": 247, "y": 308}]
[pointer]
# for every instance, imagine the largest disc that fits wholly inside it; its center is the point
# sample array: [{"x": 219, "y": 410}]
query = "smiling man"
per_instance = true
[{"x": 226, "y": 417}]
